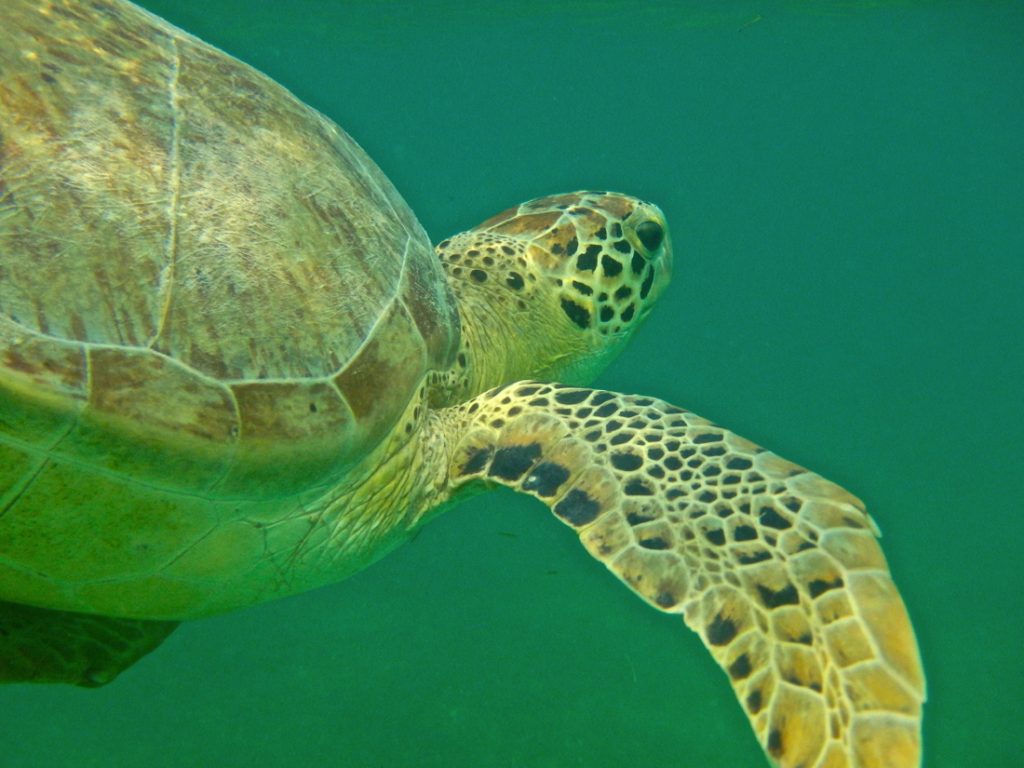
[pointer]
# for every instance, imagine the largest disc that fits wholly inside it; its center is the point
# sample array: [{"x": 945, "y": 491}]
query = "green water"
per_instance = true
[{"x": 845, "y": 183}]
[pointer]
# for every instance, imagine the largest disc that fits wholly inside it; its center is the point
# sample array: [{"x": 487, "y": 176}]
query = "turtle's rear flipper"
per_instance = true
[
  {"x": 777, "y": 569},
  {"x": 43, "y": 646}
]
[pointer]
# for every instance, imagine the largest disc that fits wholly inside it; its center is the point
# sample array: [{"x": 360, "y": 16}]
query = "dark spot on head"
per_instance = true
[
  {"x": 512, "y": 461},
  {"x": 583, "y": 288},
  {"x": 738, "y": 462},
  {"x": 580, "y": 315},
  {"x": 627, "y": 313},
  {"x": 587, "y": 261},
  {"x": 514, "y": 281},
  {"x": 645, "y": 288},
  {"x": 637, "y": 264},
  {"x": 611, "y": 266},
  {"x": 623, "y": 292},
  {"x": 570, "y": 249},
  {"x": 622, "y": 246},
  {"x": 607, "y": 313},
  {"x": 478, "y": 275}
]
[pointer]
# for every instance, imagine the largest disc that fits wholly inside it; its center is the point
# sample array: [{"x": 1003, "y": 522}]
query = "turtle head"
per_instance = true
[{"x": 553, "y": 288}]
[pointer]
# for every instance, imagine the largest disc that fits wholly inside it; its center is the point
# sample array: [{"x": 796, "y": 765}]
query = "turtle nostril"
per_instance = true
[{"x": 650, "y": 233}]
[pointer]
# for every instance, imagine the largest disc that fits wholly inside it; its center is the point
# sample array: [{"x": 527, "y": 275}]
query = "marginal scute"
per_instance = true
[
  {"x": 798, "y": 727},
  {"x": 577, "y": 508},
  {"x": 546, "y": 478},
  {"x": 656, "y": 576},
  {"x": 510, "y": 462},
  {"x": 127, "y": 538},
  {"x": 882, "y": 741},
  {"x": 41, "y": 367},
  {"x": 175, "y": 428},
  {"x": 607, "y": 537},
  {"x": 43, "y": 384},
  {"x": 881, "y": 608}
]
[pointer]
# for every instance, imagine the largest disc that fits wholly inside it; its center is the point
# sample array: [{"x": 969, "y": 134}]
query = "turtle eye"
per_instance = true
[{"x": 651, "y": 234}]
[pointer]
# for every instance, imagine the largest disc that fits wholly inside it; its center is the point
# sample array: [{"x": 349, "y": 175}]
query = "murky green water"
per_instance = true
[{"x": 845, "y": 183}]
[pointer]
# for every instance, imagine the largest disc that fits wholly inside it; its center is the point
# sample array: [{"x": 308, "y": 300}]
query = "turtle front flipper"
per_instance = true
[
  {"x": 777, "y": 569},
  {"x": 43, "y": 646}
]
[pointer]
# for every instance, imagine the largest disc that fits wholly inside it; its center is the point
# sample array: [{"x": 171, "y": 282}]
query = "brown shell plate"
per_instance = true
[{"x": 203, "y": 282}]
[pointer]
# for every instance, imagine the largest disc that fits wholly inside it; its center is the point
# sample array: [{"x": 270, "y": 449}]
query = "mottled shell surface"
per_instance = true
[
  {"x": 186, "y": 247},
  {"x": 205, "y": 285}
]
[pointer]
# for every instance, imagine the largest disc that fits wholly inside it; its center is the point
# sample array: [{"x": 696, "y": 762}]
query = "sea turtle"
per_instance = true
[{"x": 233, "y": 368}]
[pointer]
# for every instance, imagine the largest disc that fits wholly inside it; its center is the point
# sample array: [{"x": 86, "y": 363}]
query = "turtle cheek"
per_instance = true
[{"x": 580, "y": 312}]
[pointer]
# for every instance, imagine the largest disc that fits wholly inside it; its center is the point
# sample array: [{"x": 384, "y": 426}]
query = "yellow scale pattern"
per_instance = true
[{"x": 777, "y": 569}]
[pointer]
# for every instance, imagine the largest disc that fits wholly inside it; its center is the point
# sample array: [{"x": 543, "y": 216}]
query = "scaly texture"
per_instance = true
[{"x": 777, "y": 569}]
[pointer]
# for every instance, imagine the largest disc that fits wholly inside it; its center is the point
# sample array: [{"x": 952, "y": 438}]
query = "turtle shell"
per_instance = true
[{"x": 205, "y": 285}]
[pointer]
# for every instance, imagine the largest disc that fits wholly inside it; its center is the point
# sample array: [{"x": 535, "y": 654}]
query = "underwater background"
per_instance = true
[{"x": 845, "y": 187}]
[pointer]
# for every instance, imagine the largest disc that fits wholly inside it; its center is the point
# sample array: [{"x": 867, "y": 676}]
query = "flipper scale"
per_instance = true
[{"x": 777, "y": 569}]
